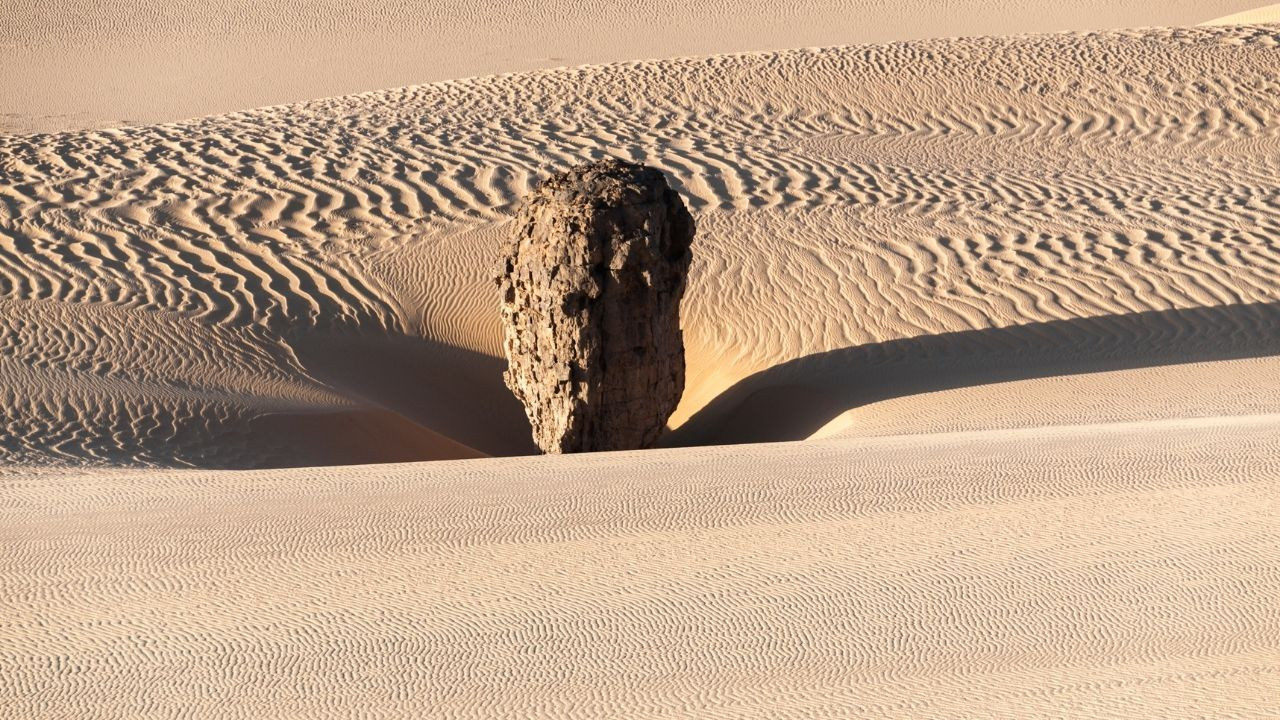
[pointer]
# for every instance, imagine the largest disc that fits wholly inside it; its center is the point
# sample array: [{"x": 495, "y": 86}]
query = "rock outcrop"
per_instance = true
[{"x": 591, "y": 284}]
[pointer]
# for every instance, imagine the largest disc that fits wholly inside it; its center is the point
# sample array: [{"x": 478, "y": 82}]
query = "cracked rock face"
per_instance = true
[{"x": 591, "y": 283}]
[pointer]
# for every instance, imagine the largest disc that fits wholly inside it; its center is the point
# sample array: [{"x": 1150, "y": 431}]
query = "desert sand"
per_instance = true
[
  {"x": 1268, "y": 14},
  {"x": 73, "y": 64},
  {"x": 983, "y": 410}
]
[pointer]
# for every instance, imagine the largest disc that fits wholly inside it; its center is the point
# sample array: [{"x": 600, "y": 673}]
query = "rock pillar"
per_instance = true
[{"x": 590, "y": 287}]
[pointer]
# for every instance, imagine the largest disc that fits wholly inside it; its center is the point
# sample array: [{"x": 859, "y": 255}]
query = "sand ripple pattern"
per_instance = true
[
  {"x": 1112, "y": 571},
  {"x": 909, "y": 190}
]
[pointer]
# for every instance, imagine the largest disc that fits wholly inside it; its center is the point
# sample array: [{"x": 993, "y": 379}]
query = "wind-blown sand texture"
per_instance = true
[
  {"x": 1115, "y": 571},
  {"x": 72, "y": 64},
  {"x": 1017, "y": 298}
]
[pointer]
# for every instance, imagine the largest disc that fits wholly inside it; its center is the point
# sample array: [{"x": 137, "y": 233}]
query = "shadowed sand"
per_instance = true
[
  {"x": 1015, "y": 299},
  {"x": 796, "y": 399}
]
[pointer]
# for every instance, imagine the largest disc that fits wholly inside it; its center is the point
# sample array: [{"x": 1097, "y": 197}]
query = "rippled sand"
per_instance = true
[{"x": 1017, "y": 299}]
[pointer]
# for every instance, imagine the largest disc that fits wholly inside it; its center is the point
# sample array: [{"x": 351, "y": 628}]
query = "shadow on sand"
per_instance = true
[
  {"x": 793, "y": 400},
  {"x": 444, "y": 402},
  {"x": 453, "y": 392}
]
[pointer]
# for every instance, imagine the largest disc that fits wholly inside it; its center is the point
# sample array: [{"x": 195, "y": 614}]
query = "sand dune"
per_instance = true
[
  {"x": 1091, "y": 571},
  {"x": 72, "y": 64},
  {"x": 1018, "y": 299},
  {"x": 1012, "y": 208}
]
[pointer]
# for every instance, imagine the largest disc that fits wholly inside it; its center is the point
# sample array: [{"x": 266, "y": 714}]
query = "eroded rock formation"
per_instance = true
[{"x": 591, "y": 284}]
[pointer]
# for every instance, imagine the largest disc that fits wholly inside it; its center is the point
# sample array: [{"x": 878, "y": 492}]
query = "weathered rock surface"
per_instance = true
[{"x": 591, "y": 284}]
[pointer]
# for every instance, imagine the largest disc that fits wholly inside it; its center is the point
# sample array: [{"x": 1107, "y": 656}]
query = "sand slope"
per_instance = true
[
  {"x": 1114, "y": 571},
  {"x": 73, "y": 64}
]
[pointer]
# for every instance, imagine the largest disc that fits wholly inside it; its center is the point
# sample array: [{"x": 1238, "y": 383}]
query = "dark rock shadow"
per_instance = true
[{"x": 793, "y": 400}]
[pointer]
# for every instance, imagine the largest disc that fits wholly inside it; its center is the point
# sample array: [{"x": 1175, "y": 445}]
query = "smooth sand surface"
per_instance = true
[
  {"x": 1268, "y": 14},
  {"x": 1017, "y": 300},
  {"x": 70, "y": 64}
]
